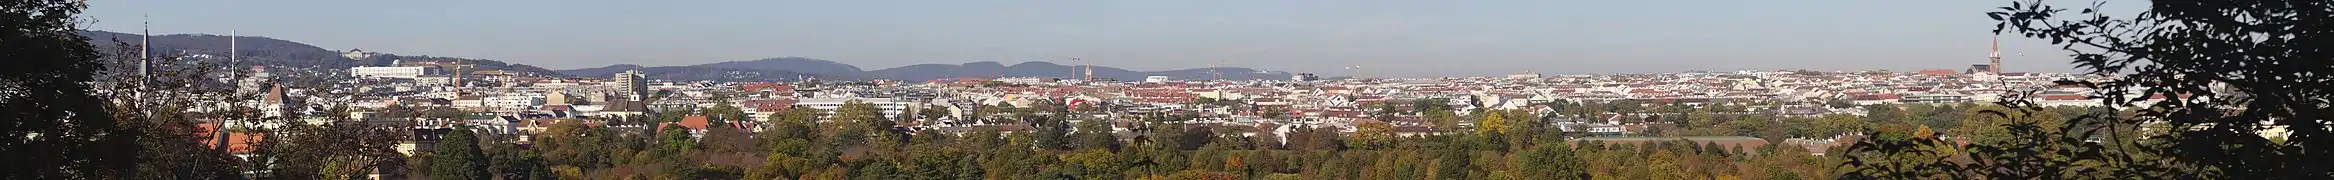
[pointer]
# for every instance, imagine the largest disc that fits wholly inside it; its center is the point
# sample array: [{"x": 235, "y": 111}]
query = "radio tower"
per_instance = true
[
  {"x": 220, "y": 137},
  {"x": 1996, "y": 56},
  {"x": 144, "y": 56},
  {"x": 235, "y": 73}
]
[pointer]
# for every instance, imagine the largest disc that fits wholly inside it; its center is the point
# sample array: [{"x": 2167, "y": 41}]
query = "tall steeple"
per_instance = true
[
  {"x": 1996, "y": 56},
  {"x": 145, "y": 55},
  {"x": 457, "y": 79}
]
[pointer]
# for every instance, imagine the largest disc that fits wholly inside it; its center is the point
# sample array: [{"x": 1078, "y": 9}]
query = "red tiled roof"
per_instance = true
[
  {"x": 236, "y": 142},
  {"x": 1939, "y": 72},
  {"x": 764, "y": 86},
  {"x": 691, "y": 122}
]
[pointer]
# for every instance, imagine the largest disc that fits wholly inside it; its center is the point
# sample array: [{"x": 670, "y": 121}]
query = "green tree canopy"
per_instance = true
[{"x": 458, "y": 157}]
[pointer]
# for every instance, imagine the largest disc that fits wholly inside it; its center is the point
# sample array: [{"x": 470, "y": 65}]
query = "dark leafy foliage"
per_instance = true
[
  {"x": 55, "y": 126},
  {"x": 2206, "y": 83},
  {"x": 2227, "y": 70}
]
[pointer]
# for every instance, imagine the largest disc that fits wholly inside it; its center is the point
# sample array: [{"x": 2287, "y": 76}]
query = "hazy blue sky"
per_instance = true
[{"x": 1386, "y": 38}]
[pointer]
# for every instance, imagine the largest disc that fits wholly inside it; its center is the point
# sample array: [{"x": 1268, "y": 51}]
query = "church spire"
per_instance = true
[{"x": 1996, "y": 56}]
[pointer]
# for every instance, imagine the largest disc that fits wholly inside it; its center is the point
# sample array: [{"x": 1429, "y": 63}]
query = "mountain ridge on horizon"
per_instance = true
[
  {"x": 268, "y": 51},
  {"x": 272, "y": 52},
  {"x": 821, "y": 68}
]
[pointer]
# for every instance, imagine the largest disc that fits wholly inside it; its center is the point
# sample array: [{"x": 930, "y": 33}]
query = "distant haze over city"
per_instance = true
[{"x": 1420, "y": 38}]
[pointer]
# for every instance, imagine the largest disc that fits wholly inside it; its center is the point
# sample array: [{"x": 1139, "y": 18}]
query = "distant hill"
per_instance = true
[
  {"x": 791, "y": 64},
  {"x": 278, "y": 54},
  {"x": 480, "y": 64},
  {"x": 254, "y": 50},
  {"x": 690, "y": 73},
  {"x": 601, "y": 72},
  {"x": 1229, "y": 73},
  {"x": 1049, "y": 69},
  {"x": 787, "y": 67}
]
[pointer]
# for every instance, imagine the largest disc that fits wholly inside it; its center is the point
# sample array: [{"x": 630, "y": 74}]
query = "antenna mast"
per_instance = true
[
  {"x": 233, "y": 76},
  {"x": 231, "y": 46},
  {"x": 145, "y": 57}
]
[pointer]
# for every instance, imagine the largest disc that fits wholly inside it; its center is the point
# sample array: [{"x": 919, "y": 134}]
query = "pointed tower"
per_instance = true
[
  {"x": 457, "y": 79},
  {"x": 1089, "y": 70},
  {"x": 1996, "y": 55},
  {"x": 145, "y": 56}
]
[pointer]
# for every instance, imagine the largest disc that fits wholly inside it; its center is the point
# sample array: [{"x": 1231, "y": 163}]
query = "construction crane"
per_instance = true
[
  {"x": 1212, "y": 74},
  {"x": 1356, "y": 70},
  {"x": 1074, "y": 71}
]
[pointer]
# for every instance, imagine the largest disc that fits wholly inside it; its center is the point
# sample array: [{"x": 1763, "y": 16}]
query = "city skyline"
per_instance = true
[
  {"x": 1486, "y": 39},
  {"x": 1205, "y": 89}
]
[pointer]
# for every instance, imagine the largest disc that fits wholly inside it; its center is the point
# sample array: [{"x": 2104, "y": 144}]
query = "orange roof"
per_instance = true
[
  {"x": 1939, "y": 72},
  {"x": 236, "y": 142},
  {"x": 694, "y": 122},
  {"x": 765, "y": 86}
]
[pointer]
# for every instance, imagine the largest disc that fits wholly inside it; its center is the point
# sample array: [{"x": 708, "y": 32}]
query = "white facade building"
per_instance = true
[
  {"x": 358, "y": 54},
  {"x": 434, "y": 81},
  {"x": 512, "y": 101},
  {"x": 389, "y": 72},
  {"x": 1157, "y": 79},
  {"x": 1304, "y": 77},
  {"x": 1026, "y": 80},
  {"x": 890, "y": 107},
  {"x": 1524, "y": 76}
]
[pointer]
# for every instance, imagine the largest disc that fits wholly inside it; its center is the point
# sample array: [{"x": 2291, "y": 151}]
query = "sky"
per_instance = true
[{"x": 1382, "y": 38}]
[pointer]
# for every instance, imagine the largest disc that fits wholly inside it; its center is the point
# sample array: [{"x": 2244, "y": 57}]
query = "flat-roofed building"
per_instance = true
[{"x": 408, "y": 72}]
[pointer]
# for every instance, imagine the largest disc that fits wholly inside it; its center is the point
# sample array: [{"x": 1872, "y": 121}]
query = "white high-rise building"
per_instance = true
[{"x": 634, "y": 82}]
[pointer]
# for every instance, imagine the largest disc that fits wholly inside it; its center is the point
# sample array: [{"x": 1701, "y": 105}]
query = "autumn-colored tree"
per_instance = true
[
  {"x": 1372, "y": 135},
  {"x": 1549, "y": 161},
  {"x": 1492, "y": 122},
  {"x": 722, "y": 114}
]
